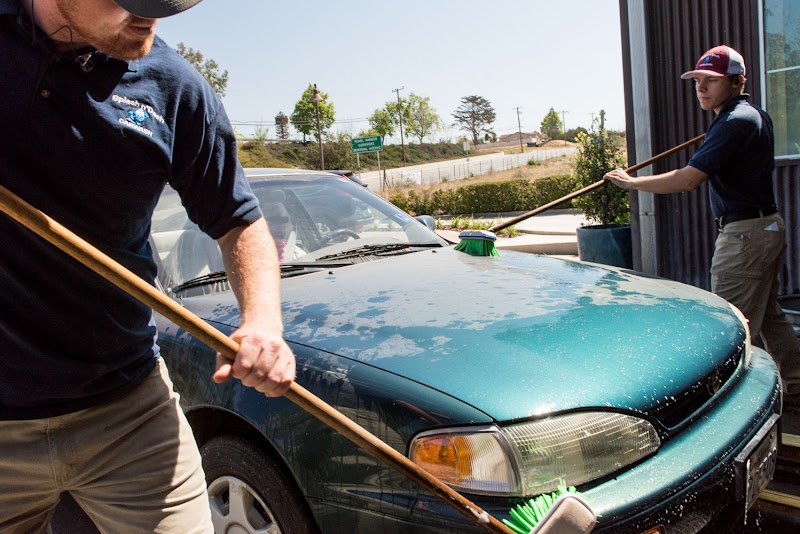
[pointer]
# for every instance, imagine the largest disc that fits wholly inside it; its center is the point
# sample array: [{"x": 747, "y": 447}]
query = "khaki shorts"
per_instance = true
[{"x": 131, "y": 464}]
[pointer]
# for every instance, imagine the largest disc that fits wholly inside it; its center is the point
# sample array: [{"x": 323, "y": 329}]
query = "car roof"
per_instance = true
[{"x": 251, "y": 172}]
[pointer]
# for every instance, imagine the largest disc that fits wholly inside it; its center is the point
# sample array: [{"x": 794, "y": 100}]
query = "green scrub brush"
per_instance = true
[
  {"x": 477, "y": 243},
  {"x": 525, "y": 517}
]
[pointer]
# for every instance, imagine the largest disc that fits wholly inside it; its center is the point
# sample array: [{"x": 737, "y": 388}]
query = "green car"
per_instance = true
[{"x": 502, "y": 376}]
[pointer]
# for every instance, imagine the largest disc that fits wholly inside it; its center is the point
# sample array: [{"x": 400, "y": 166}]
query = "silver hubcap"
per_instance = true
[{"x": 237, "y": 509}]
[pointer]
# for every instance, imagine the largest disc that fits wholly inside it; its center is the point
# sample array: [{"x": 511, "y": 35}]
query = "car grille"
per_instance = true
[{"x": 686, "y": 404}]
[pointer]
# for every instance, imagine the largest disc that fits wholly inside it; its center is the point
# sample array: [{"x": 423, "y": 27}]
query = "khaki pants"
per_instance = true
[
  {"x": 744, "y": 271},
  {"x": 132, "y": 465}
]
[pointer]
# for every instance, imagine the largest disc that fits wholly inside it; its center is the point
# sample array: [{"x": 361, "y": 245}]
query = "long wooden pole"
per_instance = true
[
  {"x": 65, "y": 240},
  {"x": 579, "y": 192}
]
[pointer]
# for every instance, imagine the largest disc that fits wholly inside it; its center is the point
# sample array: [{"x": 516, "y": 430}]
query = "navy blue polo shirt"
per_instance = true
[
  {"x": 93, "y": 148},
  {"x": 738, "y": 156}
]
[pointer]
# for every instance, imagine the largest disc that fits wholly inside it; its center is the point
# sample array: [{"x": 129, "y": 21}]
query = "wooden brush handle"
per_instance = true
[
  {"x": 540, "y": 209},
  {"x": 97, "y": 261}
]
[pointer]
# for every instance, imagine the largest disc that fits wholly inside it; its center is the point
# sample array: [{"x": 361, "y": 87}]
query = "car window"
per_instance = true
[{"x": 311, "y": 218}]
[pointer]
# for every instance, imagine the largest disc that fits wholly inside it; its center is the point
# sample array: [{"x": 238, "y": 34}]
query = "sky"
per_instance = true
[{"x": 530, "y": 55}]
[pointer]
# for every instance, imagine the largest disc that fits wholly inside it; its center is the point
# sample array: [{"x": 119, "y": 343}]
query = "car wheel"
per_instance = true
[{"x": 250, "y": 493}]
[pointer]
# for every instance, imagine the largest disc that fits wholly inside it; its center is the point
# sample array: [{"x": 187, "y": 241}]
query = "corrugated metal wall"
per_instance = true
[
  {"x": 678, "y": 31},
  {"x": 787, "y": 191}
]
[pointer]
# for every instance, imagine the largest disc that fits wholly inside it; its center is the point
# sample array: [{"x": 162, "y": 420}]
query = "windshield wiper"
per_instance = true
[
  {"x": 387, "y": 249},
  {"x": 299, "y": 267},
  {"x": 287, "y": 269},
  {"x": 201, "y": 281}
]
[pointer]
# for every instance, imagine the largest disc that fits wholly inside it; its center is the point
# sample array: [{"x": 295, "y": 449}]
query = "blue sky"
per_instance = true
[{"x": 531, "y": 54}]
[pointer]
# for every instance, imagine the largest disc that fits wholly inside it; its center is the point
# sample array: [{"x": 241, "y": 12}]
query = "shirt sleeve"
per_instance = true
[
  {"x": 724, "y": 139},
  {"x": 209, "y": 178}
]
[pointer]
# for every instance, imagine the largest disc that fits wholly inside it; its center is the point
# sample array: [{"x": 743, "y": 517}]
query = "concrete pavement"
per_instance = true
[{"x": 552, "y": 232}]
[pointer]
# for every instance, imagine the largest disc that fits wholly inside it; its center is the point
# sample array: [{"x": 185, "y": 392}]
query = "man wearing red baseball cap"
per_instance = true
[
  {"x": 99, "y": 114},
  {"x": 737, "y": 159}
]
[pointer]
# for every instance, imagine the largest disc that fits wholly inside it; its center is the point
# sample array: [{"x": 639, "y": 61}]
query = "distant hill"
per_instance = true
[{"x": 338, "y": 155}]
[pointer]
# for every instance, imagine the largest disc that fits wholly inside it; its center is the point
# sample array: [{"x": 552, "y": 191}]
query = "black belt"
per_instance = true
[{"x": 744, "y": 215}]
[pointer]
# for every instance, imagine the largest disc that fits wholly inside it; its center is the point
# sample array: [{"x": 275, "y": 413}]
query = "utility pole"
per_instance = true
[
  {"x": 564, "y": 125},
  {"x": 519, "y": 126},
  {"x": 400, "y": 116}
]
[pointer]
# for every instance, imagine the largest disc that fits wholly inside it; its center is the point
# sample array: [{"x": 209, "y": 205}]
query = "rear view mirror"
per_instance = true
[{"x": 427, "y": 220}]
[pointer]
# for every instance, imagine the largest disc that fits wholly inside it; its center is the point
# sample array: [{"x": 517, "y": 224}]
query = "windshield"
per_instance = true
[{"x": 312, "y": 218}]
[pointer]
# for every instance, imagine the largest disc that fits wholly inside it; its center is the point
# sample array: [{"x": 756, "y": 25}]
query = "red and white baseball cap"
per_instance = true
[{"x": 719, "y": 61}]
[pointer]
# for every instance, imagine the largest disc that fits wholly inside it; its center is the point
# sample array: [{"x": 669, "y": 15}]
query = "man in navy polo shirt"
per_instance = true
[
  {"x": 737, "y": 158},
  {"x": 98, "y": 115}
]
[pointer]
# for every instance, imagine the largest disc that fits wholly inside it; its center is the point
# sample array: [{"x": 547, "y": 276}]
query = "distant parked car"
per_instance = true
[
  {"x": 348, "y": 174},
  {"x": 502, "y": 376}
]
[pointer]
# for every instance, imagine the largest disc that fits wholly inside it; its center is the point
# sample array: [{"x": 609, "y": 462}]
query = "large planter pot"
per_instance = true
[{"x": 609, "y": 244}]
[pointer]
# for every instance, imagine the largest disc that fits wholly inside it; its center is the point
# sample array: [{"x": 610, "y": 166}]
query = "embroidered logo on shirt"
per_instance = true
[
  {"x": 138, "y": 116},
  {"x": 135, "y": 118}
]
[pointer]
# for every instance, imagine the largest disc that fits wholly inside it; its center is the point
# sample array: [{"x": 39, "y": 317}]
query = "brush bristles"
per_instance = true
[
  {"x": 477, "y": 243},
  {"x": 525, "y": 516},
  {"x": 477, "y": 247}
]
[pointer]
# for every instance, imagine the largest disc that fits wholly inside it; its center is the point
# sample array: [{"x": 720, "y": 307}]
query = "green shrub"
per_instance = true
[
  {"x": 255, "y": 154},
  {"x": 490, "y": 197},
  {"x": 598, "y": 153}
]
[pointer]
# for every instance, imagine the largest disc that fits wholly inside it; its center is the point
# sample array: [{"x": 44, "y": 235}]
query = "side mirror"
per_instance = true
[{"x": 427, "y": 220}]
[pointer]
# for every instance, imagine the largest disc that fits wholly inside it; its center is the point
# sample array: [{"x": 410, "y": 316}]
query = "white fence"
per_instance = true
[{"x": 432, "y": 173}]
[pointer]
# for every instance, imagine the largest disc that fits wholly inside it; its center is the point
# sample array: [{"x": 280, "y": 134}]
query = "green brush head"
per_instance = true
[
  {"x": 477, "y": 243},
  {"x": 525, "y": 516}
]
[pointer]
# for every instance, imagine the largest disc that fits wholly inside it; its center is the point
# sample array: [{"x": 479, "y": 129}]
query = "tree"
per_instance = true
[
  {"x": 339, "y": 152},
  {"x": 551, "y": 125},
  {"x": 304, "y": 116},
  {"x": 207, "y": 67},
  {"x": 261, "y": 134},
  {"x": 572, "y": 134},
  {"x": 423, "y": 119},
  {"x": 383, "y": 122},
  {"x": 475, "y": 115},
  {"x": 282, "y": 126}
]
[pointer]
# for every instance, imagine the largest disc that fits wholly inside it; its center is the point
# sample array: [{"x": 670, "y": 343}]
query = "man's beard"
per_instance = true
[{"x": 110, "y": 42}]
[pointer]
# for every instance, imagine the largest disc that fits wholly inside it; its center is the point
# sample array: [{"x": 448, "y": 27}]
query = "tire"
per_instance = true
[{"x": 250, "y": 493}]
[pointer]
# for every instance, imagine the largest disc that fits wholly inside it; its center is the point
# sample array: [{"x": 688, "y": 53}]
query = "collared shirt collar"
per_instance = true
[{"x": 733, "y": 101}]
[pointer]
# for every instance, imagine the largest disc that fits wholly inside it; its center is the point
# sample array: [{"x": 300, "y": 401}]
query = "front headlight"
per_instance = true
[{"x": 533, "y": 458}]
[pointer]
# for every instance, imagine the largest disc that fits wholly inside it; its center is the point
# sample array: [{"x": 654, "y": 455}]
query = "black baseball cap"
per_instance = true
[{"x": 155, "y": 9}]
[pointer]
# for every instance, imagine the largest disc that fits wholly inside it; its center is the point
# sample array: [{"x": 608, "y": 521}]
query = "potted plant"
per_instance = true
[{"x": 607, "y": 238}]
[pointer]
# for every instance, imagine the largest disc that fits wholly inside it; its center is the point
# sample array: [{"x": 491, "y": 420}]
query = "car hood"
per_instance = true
[{"x": 516, "y": 335}]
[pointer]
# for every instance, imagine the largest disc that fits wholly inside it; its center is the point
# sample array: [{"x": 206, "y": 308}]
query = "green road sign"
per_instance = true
[{"x": 372, "y": 143}]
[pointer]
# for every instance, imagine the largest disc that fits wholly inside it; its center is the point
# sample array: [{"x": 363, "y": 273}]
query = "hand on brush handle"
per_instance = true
[
  {"x": 263, "y": 362},
  {"x": 620, "y": 178}
]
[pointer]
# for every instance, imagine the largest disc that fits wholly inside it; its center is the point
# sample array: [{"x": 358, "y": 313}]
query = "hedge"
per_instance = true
[{"x": 489, "y": 197}]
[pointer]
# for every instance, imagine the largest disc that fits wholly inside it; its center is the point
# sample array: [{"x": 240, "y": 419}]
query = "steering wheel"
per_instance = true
[{"x": 339, "y": 232}]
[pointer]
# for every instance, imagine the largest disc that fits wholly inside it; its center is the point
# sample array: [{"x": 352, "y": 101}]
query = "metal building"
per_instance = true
[{"x": 674, "y": 234}]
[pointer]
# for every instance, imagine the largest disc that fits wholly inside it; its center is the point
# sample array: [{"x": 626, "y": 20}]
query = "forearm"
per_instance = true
[
  {"x": 675, "y": 181},
  {"x": 684, "y": 179},
  {"x": 264, "y": 361},
  {"x": 253, "y": 271}
]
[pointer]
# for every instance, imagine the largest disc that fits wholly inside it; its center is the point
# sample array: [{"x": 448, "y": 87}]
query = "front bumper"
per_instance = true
[
  {"x": 691, "y": 479},
  {"x": 684, "y": 487}
]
